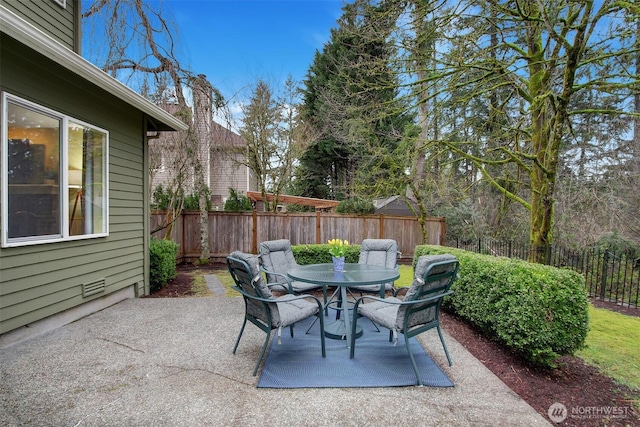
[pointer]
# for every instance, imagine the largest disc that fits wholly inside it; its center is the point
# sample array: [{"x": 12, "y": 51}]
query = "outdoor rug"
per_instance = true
[{"x": 298, "y": 361}]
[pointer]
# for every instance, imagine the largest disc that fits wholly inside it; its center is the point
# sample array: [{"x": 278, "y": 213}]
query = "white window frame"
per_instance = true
[
  {"x": 64, "y": 178},
  {"x": 61, "y": 3}
]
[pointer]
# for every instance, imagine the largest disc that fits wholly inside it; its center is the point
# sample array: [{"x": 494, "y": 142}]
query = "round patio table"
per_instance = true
[{"x": 352, "y": 275}]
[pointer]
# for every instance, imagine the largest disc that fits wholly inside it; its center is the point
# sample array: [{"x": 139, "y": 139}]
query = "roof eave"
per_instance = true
[{"x": 19, "y": 29}]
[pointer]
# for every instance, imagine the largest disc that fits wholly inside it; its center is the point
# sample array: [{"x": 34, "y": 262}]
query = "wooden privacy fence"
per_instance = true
[{"x": 230, "y": 231}]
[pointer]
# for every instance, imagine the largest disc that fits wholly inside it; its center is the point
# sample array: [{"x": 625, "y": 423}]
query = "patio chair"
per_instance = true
[
  {"x": 276, "y": 259},
  {"x": 380, "y": 252},
  {"x": 263, "y": 309},
  {"x": 419, "y": 311}
]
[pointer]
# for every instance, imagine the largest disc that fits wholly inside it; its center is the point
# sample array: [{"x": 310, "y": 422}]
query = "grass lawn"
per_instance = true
[
  {"x": 227, "y": 282},
  {"x": 406, "y": 276},
  {"x": 612, "y": 343}
]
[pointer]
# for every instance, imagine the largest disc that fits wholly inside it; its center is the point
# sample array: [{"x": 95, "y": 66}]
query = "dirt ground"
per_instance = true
[{"x": 578, "y": 386}]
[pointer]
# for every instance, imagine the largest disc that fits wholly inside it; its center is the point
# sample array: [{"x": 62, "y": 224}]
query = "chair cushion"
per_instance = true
[
  {"x": 294, "y": 311},
  {"x": 277, "y": 256},
  {"x": 423, "y": 264},
  {"x": 372, "y": 288},
  {"x": 380, "y": 252},
  {"x": 427, "y": 315},
  {"x": 298, "y": 287},
  {"x": 254, "y": 265},
  {"x": 382, "y": 313}
]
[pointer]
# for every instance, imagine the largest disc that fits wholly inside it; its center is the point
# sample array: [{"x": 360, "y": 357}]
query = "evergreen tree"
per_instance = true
[{"x": 353, "y": 108}]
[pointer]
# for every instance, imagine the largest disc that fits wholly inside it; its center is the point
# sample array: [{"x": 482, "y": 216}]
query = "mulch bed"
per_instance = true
[
  {"x": 576, "y": 385},
  {"x": 584, "y": 391}
]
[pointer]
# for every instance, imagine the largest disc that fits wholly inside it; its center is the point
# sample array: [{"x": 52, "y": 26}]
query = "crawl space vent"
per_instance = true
[{"x": 93, "y": 288}]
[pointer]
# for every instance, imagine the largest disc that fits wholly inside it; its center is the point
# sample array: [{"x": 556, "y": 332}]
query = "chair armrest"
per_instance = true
[
  {"x": 290, "y": 297},
  {"x": 284, "y": 276},
  {"x": 250, "y": 296},
  {"x": 398, "y": 290},
  {"x": 400, "y": 302},
  {"x": 285, "y": 285},
  {"x": 284, "y": 298}
]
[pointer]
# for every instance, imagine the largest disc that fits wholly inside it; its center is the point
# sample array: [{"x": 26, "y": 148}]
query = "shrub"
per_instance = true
[
  {"x": 356, "y": 206},
  {"x": 318, "y": 254},
  {"x": 539, "y": 311},
  {"x": 162, "y": 262},
  {"x": 237, "y": 203},
  {"x": 192, "y": 201},
  {"x": 293, "y": 207},
  {"x": 162, "y": 198}
]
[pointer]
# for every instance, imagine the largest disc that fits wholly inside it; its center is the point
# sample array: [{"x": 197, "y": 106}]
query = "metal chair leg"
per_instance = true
[
  {"x": 264, "y": 348},
  {"x": 324, "y": 295},
  {"x": 327, "y": 301},
  {"x": 312, "y": 323},
  {"x": 413, "y": 360},
  {"x": 322, "y": 339},
  {"x": 446, "y": 352},
  {"x": 376, "y": 326},
  {"x": 240, "y": 335}
]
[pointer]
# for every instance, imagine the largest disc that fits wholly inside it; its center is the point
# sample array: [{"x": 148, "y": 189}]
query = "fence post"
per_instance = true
[
  {"x": 254, "y": 243},
  {"x": 318, "y": 228},
  {"x": 183, "y": 237},
  {"x": 603, "y": 277}
]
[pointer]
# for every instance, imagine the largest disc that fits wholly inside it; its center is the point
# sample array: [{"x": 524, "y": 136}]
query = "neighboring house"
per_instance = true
[
  {"x": 395, "y": 205},
  {"x": 222, "y": 154},
  {"x": 74, "y": 182},
  {"x": 228, "y": 153}
]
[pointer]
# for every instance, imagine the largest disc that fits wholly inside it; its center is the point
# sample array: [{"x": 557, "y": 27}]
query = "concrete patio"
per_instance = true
[{"x": 168, "y": 362}]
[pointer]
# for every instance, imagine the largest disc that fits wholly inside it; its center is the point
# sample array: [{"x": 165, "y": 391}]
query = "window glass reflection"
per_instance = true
[{"x": 33, "y": 169}]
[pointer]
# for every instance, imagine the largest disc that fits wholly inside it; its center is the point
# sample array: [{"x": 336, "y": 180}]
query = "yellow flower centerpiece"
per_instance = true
[{"x": 338, "y": 249}]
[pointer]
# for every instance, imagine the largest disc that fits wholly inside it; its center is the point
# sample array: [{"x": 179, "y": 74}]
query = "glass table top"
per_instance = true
[{"x": 353, "y": 274}]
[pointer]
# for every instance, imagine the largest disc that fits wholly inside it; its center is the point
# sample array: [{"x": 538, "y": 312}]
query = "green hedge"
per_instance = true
[
  {"x": 162, "y": 263},
  {"x": 539, "y": 311},
  {"x": 317, "y": 254}
]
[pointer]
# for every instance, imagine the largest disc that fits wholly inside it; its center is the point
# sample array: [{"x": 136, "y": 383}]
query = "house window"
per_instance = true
[{"x": 54, "y": 171}]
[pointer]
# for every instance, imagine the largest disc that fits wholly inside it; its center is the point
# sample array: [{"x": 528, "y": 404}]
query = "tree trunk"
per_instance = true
[
  {"x": 423, "y": 61},
  {"x": 636, "y": 120},
  {"x": 543, "y": 168},
  {"x": 203, "y": 115},
  {"x": 548, "y": 122}
]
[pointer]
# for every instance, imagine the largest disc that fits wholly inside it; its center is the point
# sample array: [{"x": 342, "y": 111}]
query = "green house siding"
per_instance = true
[
  {"x": 49, "y": 16},
  {"x": 45, "y": 279}
]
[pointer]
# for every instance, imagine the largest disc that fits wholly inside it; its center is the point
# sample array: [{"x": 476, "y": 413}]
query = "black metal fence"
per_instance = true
[{"x": 608, "y": 276}]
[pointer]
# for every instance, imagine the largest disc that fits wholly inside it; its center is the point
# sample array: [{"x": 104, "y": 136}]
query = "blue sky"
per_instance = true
[{"x": 235, "y": 42}]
